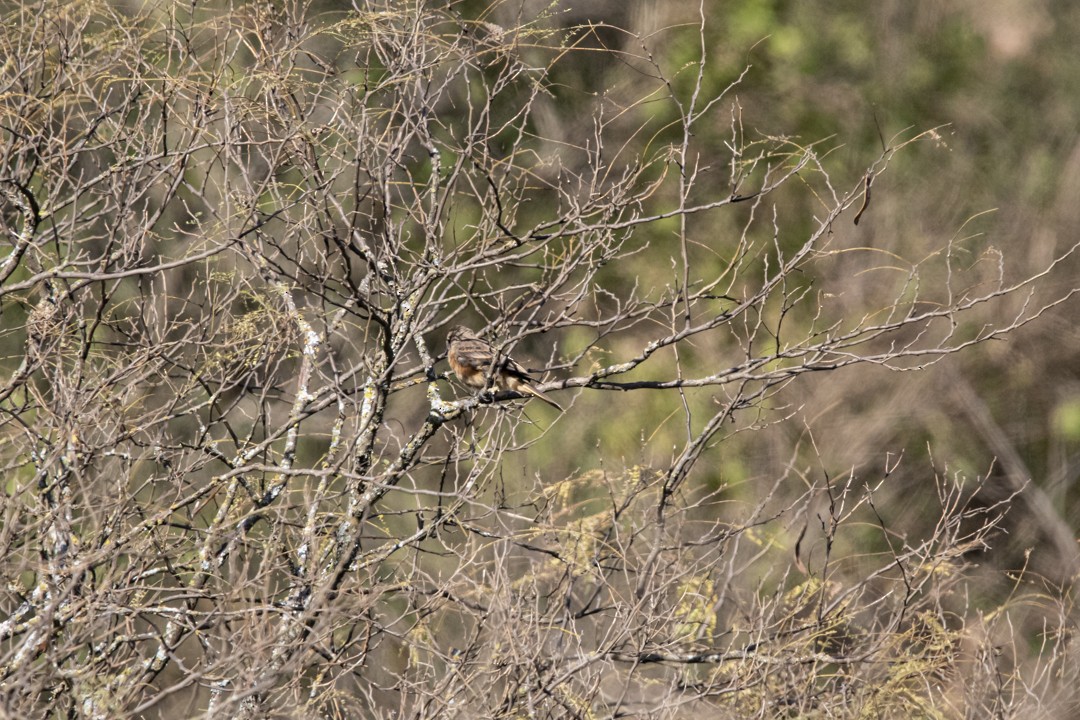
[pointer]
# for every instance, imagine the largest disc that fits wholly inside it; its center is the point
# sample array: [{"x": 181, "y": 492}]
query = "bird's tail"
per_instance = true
[{"x": 530, "y": 390}]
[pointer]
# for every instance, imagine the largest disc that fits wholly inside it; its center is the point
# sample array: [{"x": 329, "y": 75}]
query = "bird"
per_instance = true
[{"x": 473, "y": 361}]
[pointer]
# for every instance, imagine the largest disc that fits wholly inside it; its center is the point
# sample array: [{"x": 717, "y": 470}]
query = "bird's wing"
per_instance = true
[
  {"x": 474, "y": 353},
  {"x": 512, "y": 367}
]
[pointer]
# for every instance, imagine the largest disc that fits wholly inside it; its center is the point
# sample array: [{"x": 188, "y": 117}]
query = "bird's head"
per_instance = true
[{"x": 459, "y": 333}]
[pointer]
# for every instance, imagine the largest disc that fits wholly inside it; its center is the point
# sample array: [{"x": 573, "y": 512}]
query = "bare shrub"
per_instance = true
[{"x": 238, "y": 482}]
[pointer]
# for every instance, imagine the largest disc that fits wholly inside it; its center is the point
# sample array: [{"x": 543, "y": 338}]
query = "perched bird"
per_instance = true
[{"x": 473, "y": 361}]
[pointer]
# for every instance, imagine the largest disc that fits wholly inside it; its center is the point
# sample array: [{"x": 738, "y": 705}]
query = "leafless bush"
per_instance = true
[{"x": 238, "y": 482}]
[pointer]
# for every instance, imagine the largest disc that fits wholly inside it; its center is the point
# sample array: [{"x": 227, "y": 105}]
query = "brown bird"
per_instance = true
[{"x": 473, "y": 361}]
